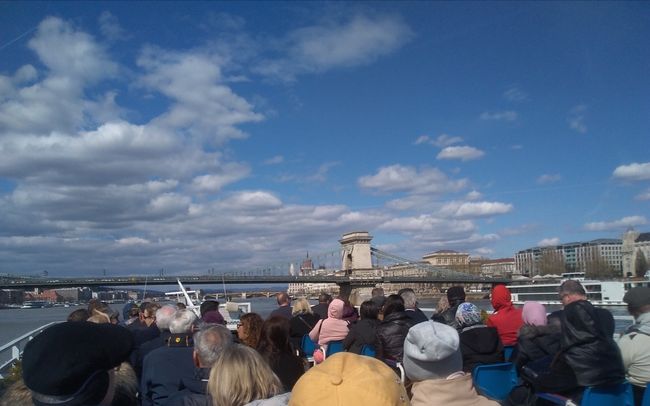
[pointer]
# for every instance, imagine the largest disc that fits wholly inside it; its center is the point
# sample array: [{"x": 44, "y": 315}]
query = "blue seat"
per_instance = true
[
  {"x": 368, "y": 350},
  {"x": 308, "y": 346},
  {"x": 619, "y": 395},
  {"x": 646, "y": 396},
  {"x": 333, "y": 347},
  {"x": 610, "y": 395},
  {"x": 507, "y": 352},
  {"x": 495, "y": 380}
]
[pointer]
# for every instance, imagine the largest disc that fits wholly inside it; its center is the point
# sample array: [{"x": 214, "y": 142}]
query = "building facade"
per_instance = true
[
  {"x": 448, "y": 259},
  {"x": 498, "y": 267}
]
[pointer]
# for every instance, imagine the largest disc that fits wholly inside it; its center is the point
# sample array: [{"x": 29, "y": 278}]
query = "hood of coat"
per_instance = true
[
  {"x": 530, "y": 331},
  {"x": 335, "y": 309},
  {"x": 481, "y": 339},
  {"x": 500, "y": 297}
]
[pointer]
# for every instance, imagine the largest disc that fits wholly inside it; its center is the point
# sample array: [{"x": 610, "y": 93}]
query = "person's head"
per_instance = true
[
  {"x": 73, "y": 363},
  {"x": 283, "y": 299},
  {"x": 394, "y": 303},
  {"x": 410, "y": 301},
  {"x": 102, "y": 308},
  {"x": 79, "y": 315},
  {"x": 468, "y": 315},
  {"x": 239, "y": 376},
  {"x": 432, "y": 351},
  {"x": 181, "y": 305},
  {"x": 534, "y": 314},
  {"x": 369, "y": 310},
  {"x": 324, "y": 298},
  {"x": 346, "y": 378},
  {"x": 571, "y": 291},
  {"x": 99, "y": 318},
  {"x": 208, "y": 343},
  {"x": 126, "y": 386},
  {"x": 16, "y": 394},
  {"x": 500, "y": 297},
  {"x": 164, "y": 316},
  {"x": 638, "y": 300},
  {"x": 455, "y": 295},
  {"x": 249, "y": 329},
  {"x": 300, "y": 306},
  {"x": 207, "y": 306},
  {"x": 443, "y": 304},
  {"x": 134, "y": 313},
  {"x": 182, "y": 321},
  {"x": 555, "y": 319},
  {"x": 274, "y": 337},
  {"x": 377, "y": 292},
  {"x": 335, "y": 309},
  {"x": 148, "y": 314}
]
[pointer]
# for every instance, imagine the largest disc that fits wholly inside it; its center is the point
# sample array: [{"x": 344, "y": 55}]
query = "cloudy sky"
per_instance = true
[{"x": 136, "y": 137}]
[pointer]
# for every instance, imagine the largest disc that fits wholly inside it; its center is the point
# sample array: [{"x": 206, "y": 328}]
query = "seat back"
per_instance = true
[
  {"x": 619, "y": 395},
  {"x": 307, "y": 345},
  {"x": 333, "y": 347},
  {"x": 495, "y": 380},
  {"x": 507, "y": 352},
  {"x": 368, "y": 350}
]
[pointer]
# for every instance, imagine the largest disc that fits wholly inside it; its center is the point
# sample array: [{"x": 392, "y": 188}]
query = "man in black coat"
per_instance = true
[
  {"x": 455, "y": 296},
  {"x": 323, "y": 303}
]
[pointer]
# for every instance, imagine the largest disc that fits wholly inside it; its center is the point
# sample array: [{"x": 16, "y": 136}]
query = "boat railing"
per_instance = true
[{"x": 12, "y": 351}]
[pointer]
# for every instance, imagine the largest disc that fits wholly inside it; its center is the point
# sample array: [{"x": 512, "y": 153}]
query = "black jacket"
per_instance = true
[
  {"x": 300, "y": 325},
  {"x": 416, "y": 315},
  {"x": 164, "y": 368},
  {"x": 479, "y": 345},
  {"x": 447, "y": 317},
  {"x": 192, "y": 390},
  {"x": 288, "y": 367},
  {"x": 320, "y": 309},
  {"x": 588, "y": 346},
  {"x": 362, "y": 332},
  {"x": 536, "y": 342},
  {"x": 391, "y": 333}
]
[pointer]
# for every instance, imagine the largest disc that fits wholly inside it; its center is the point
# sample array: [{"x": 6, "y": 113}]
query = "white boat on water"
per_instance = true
[
  {"x": 600, "y": 293},
  {"x": 36, "y": 304}
]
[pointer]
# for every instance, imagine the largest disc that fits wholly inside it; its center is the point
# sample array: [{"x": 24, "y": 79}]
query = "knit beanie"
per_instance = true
[
  {"x": 346, "y": 378},
  {"x": 468, "y": 315},
  {"x": 534, "y": 313},
  {"x": 431, "y": 351}
]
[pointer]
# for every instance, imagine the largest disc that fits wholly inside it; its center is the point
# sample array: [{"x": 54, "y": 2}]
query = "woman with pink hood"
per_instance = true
[
  {"x": 333, "y": 328},
  {"x": 506, "y": 318}
]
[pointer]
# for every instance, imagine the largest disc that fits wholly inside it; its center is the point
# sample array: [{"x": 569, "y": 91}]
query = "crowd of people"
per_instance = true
[{"x": 168, "y": 355}]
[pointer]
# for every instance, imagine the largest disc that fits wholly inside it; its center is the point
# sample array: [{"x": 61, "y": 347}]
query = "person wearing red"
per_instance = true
[{"x": 506, "y": 318}]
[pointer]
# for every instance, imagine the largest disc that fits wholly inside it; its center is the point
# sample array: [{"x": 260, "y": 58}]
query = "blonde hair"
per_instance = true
[
  {"x": 239, "y": 376},
  {"x": 300, "y": 306}
]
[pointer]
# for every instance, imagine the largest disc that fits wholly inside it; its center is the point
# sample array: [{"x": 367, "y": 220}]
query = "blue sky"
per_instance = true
[{"x": 239, "y": 135}]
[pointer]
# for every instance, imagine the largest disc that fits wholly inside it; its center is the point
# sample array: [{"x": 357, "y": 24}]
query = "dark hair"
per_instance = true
[
  {"x": 369, "y": 310},
  {"x": 283, "y": 298},
  {"x": 394, "y": 303},
  {"x": 209, "y": 305},
  {"x": 274, "y": 337},
  {"x": 572, "y": 287},
  {"x": 399, "y": 292},
  {"x": 79, "y": 315},
  {"x": 324, "y": 298},
  {"x": 455, "y": 295}
]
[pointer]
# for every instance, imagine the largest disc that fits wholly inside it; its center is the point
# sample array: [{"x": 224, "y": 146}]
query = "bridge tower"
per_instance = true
[{"x": 355, "y": 251}]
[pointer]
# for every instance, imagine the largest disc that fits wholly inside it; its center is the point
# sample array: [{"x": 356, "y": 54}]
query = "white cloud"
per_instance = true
[
  {"x": 549, "y": 178},
  {"x": 475, "y": 209},
  {"x": 625, "y": 222},
  {"x": 474, "y": 195},
  {"x": 633, "y": 171},
  {"x": 643, "y": 195},
  {"x": 356, "y": 41},
  {"x": 278, "y": 159},
  {"x": 132, "y": 241},
  {"x": 443, "y": 140},
  {"x": 515, "y": 94},
  {"x": 464, "y": 153},
  {"x": 547, "y": 242},
  {"x": 212, "y": 183},
  {"x": 577, "y": 118},
  {"x": 507, "y": 115},
  {"x": 110, "y": 27},
  {"x": 398, "y": 178}
]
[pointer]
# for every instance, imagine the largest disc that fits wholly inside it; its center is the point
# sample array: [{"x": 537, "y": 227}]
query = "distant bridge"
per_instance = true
[{"x": 30, "y": 283}]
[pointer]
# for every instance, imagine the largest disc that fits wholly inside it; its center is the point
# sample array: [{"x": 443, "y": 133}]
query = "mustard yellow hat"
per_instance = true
[{"x": 349, "y": 379}]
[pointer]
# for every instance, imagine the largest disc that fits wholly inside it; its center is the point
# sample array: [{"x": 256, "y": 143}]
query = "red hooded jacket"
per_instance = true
[{"x": 506, "y": 318}]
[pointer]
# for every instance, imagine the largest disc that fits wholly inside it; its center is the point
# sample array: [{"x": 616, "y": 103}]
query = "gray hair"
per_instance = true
[
  {"x": 209, "y": 342},
  {"x": 572, "y": 287},
  {"x": 409, "y": 299},
  {"x": 182, "y": 321},
  {"x": 164, "y": 316}
]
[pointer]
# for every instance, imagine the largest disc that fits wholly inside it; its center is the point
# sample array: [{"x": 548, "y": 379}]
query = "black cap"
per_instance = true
[
  {"x": 68, "y": 363},
  {"x": 638, "y": 296},
  {"x": 456, "y": 293}
]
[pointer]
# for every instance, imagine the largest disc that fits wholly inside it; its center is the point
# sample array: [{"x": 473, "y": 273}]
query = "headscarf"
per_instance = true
[
  {"x": 534, "y": 313},
  {"x": 468, "y": 315}
]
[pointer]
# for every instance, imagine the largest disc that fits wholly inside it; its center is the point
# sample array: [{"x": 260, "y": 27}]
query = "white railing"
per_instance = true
[{"x": 15, "y": 348}]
